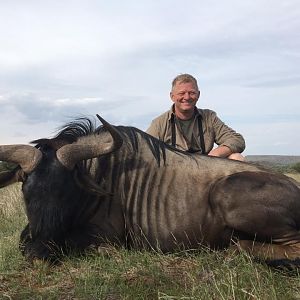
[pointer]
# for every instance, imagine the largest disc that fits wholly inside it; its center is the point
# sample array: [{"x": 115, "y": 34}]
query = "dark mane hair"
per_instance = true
[
  {"x": 68, "y": 133},
  {"x": 157, "y": 147},
  {"x": 76, "y": 129},
  {"x": 81, "y": 127}
]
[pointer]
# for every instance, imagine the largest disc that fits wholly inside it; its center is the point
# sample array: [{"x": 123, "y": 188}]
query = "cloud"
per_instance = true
[
  {"x": 34, "y": 109},
  {"x": 64, "y": 102}
]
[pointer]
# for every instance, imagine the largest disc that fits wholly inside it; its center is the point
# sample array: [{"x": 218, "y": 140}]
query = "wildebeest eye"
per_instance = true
[{"x": 21, "y": 176}]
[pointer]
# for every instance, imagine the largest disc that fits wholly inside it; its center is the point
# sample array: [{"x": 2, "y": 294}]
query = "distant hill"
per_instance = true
[{"x": 274, "y": 160}]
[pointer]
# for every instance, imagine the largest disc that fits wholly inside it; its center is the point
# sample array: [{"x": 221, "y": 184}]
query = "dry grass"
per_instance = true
[
  {"x": 11, "y": 202},
  {"x": 295, "y": 176}
]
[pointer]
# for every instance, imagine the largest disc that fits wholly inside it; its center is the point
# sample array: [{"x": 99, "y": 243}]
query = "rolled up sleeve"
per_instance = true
[{"x": 226, "y": 136}]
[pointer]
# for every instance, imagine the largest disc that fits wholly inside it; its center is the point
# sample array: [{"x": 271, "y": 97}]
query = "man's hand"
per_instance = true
[{"x": 221, "y": 151}]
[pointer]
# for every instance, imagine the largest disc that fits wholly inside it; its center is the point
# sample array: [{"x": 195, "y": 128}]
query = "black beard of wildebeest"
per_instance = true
[
  {"x": 113, "y": 184},
  {"x": 60, "y": 223}
]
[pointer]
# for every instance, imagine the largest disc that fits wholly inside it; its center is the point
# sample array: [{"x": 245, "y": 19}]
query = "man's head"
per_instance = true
[{"x": 184, "y": 94}]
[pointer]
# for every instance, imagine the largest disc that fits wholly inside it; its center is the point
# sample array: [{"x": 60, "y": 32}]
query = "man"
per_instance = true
[{"x": 195, "y": 130}]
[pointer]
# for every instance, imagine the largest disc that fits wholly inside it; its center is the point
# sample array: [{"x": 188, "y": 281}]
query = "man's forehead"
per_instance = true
[{"x": 181, "y": 85}]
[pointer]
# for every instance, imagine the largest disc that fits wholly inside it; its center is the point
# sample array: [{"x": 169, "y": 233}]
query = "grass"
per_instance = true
[
  {"x": 296, "y": 176},
  {"x": 123, "y": 274}
]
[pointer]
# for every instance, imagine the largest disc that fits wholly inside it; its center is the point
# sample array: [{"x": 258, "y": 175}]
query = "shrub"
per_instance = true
[
  {"x": 296, "y": 167},
  {"x": 6, "y": 166}
]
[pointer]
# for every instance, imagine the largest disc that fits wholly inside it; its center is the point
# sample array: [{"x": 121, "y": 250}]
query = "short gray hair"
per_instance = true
[{"x": 184, "y": 78}]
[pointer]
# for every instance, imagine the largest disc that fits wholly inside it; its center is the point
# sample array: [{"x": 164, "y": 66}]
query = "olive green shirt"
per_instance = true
[{"x": 214, "y": 131}]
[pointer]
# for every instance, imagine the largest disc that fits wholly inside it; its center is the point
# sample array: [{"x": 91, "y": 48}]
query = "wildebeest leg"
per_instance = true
[
  {"x": 262, "y": 207},
  {"x": 83, "y": 237},
  {"x": 33, "y": 249},
  {"x": 272, "y": 254},
  {"x": 91, "y": 236},
  {"x": 25, "y": 238}
]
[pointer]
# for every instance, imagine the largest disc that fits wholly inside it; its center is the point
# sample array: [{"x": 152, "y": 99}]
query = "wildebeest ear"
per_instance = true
[{"x": 12, "y": 176}]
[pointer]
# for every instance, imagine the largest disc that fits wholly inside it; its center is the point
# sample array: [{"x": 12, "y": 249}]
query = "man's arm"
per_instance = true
[
  {"x": 227, "y": 139},
  {"x": 220, "y": 151}
]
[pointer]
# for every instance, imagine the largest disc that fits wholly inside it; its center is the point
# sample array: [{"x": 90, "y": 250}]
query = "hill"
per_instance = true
[{"x": 274, "y": 160}]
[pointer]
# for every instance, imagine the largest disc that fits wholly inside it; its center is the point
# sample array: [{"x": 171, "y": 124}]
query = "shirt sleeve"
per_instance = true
[{"x": 226, "y": 136}]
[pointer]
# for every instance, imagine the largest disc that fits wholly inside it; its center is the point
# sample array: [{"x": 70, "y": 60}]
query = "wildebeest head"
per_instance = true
[{"x": 53, "y": 199}]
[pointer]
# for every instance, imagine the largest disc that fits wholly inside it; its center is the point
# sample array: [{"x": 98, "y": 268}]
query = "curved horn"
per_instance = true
[
  {"x": 89, "y": 147},
  {"x": 26, "y": 156},
  {"x": 118, "y": 140}
]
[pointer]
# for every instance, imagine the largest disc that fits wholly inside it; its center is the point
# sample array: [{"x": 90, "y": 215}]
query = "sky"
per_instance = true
[{"x": 61, "y": 60}]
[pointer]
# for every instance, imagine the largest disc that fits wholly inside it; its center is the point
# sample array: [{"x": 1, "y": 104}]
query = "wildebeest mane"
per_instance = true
[
  {"x": 157, "y": 147},
  {"x": 68, "y": 133},
  {"x": 81, "y": 127}
]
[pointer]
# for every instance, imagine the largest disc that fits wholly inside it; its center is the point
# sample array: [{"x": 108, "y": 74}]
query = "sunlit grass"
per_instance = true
[
  {"x": 296, "y": 176},
  {"x": 11, "y": 200}
]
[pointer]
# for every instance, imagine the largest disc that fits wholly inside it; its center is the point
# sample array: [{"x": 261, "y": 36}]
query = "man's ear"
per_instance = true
[
  {"x": 12, "y": 176},
  {"x": 172, "y": 96}
]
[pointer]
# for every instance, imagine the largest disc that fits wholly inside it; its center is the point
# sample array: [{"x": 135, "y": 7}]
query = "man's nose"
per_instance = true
[{"x": 186, "y": 96}]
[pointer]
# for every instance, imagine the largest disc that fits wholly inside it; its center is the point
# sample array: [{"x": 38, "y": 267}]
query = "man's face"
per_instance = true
[{"x": 185, "y": 96}]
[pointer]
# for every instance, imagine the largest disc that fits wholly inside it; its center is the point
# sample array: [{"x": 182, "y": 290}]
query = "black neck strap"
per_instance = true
[
  {"x": 173, "y": 128},
  {"x": 202, "y": 144}
]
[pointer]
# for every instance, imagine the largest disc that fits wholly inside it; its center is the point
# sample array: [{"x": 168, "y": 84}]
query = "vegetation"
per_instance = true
[
  {"x": 296, "y": 167},
  {"x": 6, "y": 166},
  {"x": 122, "y": 274},
  {"x": 287, "y": 169}
]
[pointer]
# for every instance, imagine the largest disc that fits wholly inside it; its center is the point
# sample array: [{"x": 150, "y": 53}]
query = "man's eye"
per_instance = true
[{"x": 190, "y": 94}]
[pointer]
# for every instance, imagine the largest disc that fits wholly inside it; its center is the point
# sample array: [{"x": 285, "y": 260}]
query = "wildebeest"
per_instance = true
[{"x": 113, "y": 184}]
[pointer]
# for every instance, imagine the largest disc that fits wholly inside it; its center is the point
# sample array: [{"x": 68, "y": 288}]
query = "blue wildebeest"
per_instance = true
[{"x": 115, "y": 184}]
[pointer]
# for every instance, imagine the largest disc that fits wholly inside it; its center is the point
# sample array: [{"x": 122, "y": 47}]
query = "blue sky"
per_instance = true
[{"x": 64, "y": 59}]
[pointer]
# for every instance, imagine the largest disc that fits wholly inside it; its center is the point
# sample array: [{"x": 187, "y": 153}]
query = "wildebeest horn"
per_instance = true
[
  {"x": 118, "y": 140},
  {"x": 26, "y": 156},
  {"x": 89, "y": 147}
]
